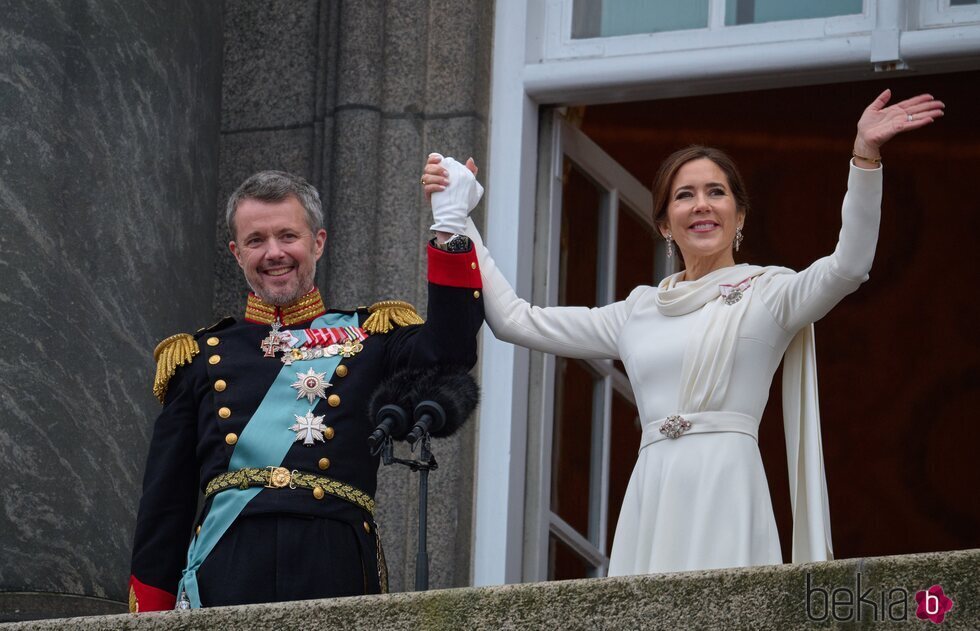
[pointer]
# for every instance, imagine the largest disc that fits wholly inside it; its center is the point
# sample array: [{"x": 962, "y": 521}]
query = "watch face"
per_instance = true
[{"x": 457, "y": 243}]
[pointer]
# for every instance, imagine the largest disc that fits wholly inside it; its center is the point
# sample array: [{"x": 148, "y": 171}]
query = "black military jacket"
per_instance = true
[{"x": 209, "y": 402}]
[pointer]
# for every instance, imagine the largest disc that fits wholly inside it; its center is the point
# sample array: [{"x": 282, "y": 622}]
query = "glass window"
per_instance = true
[
  {"x": 572, "y": 444},
  {"x": 963, "y": 2},
  {"x": 758, "y": 11},
  {"x": 563, "y": 563},
  {"x": 609, "y": 18}
]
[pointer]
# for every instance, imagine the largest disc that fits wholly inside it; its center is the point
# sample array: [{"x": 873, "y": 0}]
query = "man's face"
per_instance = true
[{"x": 275, "y": 248}]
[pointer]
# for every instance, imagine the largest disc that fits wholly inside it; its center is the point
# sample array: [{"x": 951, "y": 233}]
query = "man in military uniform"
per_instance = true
[{"x": 267, "y": 416}]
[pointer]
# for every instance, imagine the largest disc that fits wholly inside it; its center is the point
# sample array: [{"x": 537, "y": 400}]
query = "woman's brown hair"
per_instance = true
[{"x": 669, "y": 167}]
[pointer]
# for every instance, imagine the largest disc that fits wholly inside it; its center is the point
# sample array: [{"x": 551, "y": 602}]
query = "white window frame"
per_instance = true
[
  {"x": 619, "y": 192},
  {"x": 941, "y": 13},
  {"x": 522, "y": 81},
  {"x": 560, "y": 45}
]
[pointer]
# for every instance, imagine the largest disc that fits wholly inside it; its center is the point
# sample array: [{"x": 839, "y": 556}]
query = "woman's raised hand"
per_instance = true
[{"x": 881, "y": 122}]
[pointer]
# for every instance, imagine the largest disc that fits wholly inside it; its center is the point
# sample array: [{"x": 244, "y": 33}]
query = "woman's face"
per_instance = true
[{"x": 701, "y": 212}]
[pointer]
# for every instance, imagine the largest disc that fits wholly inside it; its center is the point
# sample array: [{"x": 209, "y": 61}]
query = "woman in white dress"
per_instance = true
[{"x": 700, "y": 351}]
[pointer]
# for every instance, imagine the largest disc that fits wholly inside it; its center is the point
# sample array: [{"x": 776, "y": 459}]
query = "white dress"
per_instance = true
[{"x": 700, "y": 501}]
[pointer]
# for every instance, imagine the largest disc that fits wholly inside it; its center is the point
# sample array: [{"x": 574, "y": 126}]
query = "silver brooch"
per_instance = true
[
  {"x": 674, "y": 426},
  {"x": 734, "y": 293}
]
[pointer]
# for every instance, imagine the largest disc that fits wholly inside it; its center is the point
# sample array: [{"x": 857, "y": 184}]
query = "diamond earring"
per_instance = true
[
  {"x": 738, "y": 238},
  {"x": 670, "y": 244}
]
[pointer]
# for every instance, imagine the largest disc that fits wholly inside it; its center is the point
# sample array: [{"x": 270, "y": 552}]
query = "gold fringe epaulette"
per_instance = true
[
  {"x": 174, "y": 351},
  {"x": 385, "y": 315},
  {"x": 134, "y": 603}
]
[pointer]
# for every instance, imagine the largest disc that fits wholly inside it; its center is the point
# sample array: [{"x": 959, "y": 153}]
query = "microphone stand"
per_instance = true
[{"x": 423, "y": 464}]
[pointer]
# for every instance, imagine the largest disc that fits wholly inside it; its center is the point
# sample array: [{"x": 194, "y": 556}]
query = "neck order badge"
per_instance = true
[{"x": 264, "y": 442}]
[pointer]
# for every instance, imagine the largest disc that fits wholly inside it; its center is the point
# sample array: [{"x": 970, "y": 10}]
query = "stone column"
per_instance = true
[
  {"x": 353, "y": 95},
  {"x": 109, "y": 114}
]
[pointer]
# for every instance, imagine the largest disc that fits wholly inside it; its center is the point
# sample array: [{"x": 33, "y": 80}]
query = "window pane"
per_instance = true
[
  {"x": 563, "y": 563},
  {"x": 757, "y": 11},
  {"x": 625, "y": 441},
  {"x": 579, "y": 239},
  {"x": 609, "y": 18},
  {"x": 572, "y": 444},
  {"x": 635, "y": 249},
  {"x": 964, "y": 2}
]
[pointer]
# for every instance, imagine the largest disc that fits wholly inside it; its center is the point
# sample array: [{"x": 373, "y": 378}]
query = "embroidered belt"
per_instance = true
[
  {"x": 281, "y": 477},
  {"x": 678, "y": 425}
]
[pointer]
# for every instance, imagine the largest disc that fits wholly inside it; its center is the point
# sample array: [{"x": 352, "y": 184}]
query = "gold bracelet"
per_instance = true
[{"x": 876, "y": 161}]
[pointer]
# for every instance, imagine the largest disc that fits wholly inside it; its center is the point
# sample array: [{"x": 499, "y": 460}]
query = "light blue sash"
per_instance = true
[{"x": 264, "y": 442}]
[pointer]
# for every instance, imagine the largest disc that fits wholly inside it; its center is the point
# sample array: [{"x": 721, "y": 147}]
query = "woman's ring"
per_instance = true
[
  {"x": 423, "y": 178},
  {"x": 910, "y": 118}
]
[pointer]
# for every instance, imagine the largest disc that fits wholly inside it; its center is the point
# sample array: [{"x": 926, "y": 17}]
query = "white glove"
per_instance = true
[{"x": 451, "y": 206}]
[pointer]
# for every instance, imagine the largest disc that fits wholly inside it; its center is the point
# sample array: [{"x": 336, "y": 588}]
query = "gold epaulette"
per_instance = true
[
  {"x": 174, "y": 351},
  {"x": 134, "y": 603},
  {"x": 388, "y": 313}
]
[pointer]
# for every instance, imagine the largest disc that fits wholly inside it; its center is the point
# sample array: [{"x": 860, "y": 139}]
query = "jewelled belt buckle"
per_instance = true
[
  {"x": 675, "y": 426},
  {"x": 280, "y": 477}
]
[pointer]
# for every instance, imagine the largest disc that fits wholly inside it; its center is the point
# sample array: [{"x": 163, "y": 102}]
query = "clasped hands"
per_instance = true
[{"x": 452, "y": 190}]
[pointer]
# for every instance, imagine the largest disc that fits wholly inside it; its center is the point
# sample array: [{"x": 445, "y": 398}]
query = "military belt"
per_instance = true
[{"x": 281, "y": 477}]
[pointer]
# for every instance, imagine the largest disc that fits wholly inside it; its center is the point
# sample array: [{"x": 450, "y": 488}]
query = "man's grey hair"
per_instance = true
[{"x": 275, "y": 186}]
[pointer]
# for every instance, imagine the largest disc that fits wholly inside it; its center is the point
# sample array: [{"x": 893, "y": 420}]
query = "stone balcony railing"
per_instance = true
[{"x": 869, "y": 593}]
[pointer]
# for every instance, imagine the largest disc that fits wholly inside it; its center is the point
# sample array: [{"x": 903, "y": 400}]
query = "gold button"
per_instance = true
[
  {"x": 328, "y": 433},
  {"x": 318, "y": 492},
  {"x": 231, "y": 439},
  {"x": 220, "y": 385},
  {"x": 224, "y": 412},
  {"x": 214, "y": 359},
  {"x": 324, "y": 464},
  {"x": 198, "y": 531},
  {"x": 476, "y": 294},
  {"x": 213, "y": 341},
  {"x": 333, "y": 400},
  {"x": 341, "y": 371},
  {"x": 367, "y": 528},
  {"x": 473, "y": 265}
]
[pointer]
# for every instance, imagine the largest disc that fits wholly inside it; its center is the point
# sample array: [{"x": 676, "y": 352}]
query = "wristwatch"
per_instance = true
[{"x": 455, "y": 243}]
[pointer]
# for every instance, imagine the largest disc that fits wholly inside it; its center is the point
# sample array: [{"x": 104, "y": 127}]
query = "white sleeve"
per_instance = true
[
  {"x": 579, "y": 332},
  {"x": 799, "y": 299}
]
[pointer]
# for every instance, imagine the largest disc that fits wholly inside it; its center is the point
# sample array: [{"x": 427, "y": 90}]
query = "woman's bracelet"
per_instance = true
[{"x": 876, "y": 161}]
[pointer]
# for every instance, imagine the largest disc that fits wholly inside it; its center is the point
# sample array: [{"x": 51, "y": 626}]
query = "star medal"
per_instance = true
[
  {"x": 308, "y": 428},
  {"x": 734, "y": 293},
  {"x": 311, "y": 385}
]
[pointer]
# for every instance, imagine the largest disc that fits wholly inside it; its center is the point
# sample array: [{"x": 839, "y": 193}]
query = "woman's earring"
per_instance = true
[
  {"x": 670, "y": 244},
  {"x": 738, "y": 238}
]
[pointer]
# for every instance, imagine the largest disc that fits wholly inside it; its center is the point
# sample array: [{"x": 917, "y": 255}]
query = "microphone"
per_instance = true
[
  {"x": 446, "y": 397},
  {"x": 387, "y": 407}
]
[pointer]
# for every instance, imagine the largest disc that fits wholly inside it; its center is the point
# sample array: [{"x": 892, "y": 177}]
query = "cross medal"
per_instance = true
[{"x": 275, "y": 341}]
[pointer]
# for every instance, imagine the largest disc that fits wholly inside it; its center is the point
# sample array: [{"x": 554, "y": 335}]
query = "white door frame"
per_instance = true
[{"x": 519, "y": 88}]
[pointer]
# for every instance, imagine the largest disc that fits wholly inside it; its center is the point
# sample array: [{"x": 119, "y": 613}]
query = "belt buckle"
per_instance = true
[
  {"x": 675, "y": 426},
  {"x": 280, "y": 477}
]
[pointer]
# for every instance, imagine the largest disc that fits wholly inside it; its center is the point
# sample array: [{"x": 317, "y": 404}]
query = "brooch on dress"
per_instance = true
[
  {"x": 675, "y": 426},
  {"x": 734, "y": 293}
]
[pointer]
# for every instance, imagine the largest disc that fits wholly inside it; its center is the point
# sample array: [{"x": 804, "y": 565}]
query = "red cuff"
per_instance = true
[
  {"x": 454, "y": 269},
  {"x": 143, "y": 597}
]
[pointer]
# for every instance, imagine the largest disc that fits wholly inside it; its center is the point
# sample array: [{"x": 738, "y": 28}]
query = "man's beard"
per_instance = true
[{"x": 285, "y": 296}]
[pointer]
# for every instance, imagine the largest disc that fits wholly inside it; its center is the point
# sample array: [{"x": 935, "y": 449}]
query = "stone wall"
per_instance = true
[
  {"x": 775, "y": 598},
  {"x": 352, "y": 95},
  {"x": 109, "y": 124}
]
